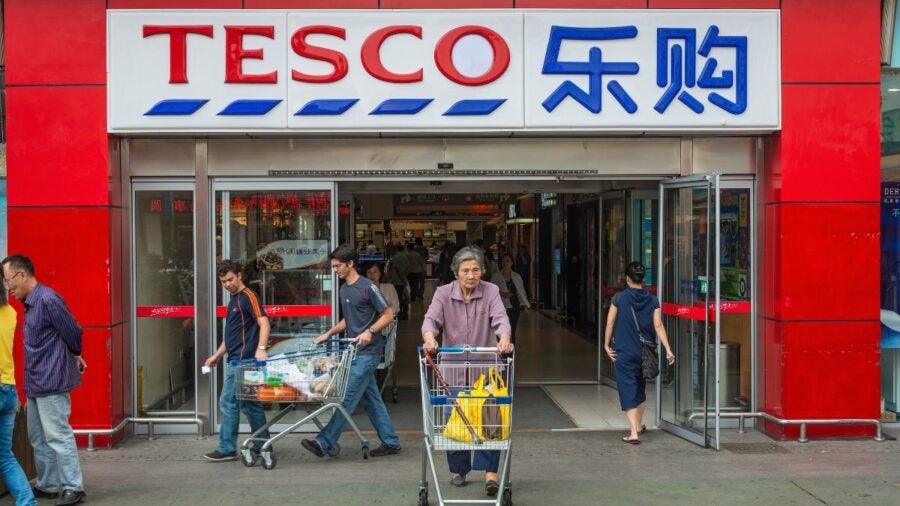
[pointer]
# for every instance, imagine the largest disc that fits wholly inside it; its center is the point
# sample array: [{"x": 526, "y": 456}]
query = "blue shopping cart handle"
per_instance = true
[{"x": 464, "y": 349}]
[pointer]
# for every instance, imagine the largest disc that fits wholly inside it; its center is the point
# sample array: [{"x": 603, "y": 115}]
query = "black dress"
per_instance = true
[{"x": 626, "y": 342}]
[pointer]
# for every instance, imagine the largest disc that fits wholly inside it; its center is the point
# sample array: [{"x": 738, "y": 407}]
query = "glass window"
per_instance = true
[
  {"x": 282, "y": 239},
  {"x": 164, "y": 290}
]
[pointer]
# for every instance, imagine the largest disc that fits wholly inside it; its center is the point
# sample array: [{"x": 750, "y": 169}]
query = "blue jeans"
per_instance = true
[
  {"x": 55, "y": 453},
  {"x": 12, "y": 472},
  {"x": 361, "y": 387},
  {"x": 231, "y": 418}
]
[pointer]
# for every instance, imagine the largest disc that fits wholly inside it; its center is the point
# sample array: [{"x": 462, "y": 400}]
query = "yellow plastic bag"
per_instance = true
[
  {"x": 470, "y": 404},
  {"x": 494, "y": 416}
]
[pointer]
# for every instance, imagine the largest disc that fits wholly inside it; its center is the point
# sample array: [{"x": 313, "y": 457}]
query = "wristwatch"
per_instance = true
[
  {"x": 263, "y": 348},
  {"x": 372, "y": 330}
]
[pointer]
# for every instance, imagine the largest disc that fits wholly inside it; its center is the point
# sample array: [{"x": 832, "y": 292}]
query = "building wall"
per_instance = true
[{"x": 819, "y": 323}]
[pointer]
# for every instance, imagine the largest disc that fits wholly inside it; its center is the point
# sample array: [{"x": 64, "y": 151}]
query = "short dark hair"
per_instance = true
[
  {"x": 636, "y": 272},
  {"x": 368, "y": 265},
  {"x": 19, "y": 263},
  {"x": 226, "y": 266},
  {"x": 345, "y": 253},
  {"x": 4, "y": 300}
]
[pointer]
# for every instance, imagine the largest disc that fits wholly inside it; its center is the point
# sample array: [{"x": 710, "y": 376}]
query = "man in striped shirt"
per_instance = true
[
  {"x": 53, "y": 368},
  {"x": 246, "y": 336}
]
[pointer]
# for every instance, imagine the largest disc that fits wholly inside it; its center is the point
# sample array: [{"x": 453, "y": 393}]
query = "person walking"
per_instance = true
[
  {"x": 416, "y": 274},
  {"x": 10, "y": 469},
  {"x": 398, "y": 270},
  {"x": 512, "y": 291},
  {"x": 366, "y": 313},
  {"x": 468, "y": 312},
  {"x": 53, "y": 368},
  {"x": 633, "y": 314},
  {"x": 246, "y": 336}
]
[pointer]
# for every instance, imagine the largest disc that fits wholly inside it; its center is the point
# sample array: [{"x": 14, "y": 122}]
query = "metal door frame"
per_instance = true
[
  {"x": 182, "y": 184},
  {"x": 712, "y": 184}
]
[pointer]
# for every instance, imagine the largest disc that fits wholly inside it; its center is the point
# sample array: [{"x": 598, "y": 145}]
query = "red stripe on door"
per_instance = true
[
  {"x": 697, "y": 312},
  {"x": 275, "y": 311}
]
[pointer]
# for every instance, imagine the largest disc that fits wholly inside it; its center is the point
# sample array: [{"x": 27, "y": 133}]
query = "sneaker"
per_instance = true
[
  {"x": 218, "y": 456},
  {"x": 491, "y": 488},
  {"x": 313, "y": 447},
  {"x": 384, "y": 449}
]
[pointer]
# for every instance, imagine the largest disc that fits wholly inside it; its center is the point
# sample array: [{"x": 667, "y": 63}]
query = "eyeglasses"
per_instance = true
[{"x": 6, "y": 281}]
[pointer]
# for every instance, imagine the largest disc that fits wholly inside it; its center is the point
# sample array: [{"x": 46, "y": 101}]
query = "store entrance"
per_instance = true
[{"x": 565, "y": 244}]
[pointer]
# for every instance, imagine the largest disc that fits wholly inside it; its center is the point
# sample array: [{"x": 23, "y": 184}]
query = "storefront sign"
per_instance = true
[{"x": 458, "y": 70}]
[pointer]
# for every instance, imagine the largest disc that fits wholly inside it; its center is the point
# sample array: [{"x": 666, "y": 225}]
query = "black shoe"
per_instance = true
[
  {"x": 491, "y": 488},
  {"x": 71, "y": 497},
  {"x": 384, "y": 449},
  {"x": 218, "y": 456},
  {"x": 313, "y": 447},
  {"x": 43, "y": 494}
]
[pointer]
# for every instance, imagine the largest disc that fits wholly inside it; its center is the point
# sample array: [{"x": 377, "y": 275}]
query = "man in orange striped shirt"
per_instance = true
[{"x": 246, "y": 336}]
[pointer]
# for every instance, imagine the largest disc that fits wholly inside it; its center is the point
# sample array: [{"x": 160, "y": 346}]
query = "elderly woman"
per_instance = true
[
  {"x": 634, "y": 316},
  {"x": 468, "y": 312}
]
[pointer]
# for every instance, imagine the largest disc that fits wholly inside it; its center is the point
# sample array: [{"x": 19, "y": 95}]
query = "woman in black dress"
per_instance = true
[{"x": 634, "y": 313}]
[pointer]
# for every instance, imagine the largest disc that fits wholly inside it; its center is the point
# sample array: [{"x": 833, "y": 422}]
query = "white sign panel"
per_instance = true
[{"x": 443, "y": 71}]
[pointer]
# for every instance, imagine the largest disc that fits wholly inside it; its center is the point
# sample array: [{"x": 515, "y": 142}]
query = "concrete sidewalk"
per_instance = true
[{"x": 549, "y": 468}]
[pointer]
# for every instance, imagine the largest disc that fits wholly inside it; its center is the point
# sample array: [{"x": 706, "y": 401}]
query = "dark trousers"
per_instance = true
[
  {"x": 513, "y": 315},
  {"x": 404, "y": 302},
  {"x": 461, "y": 462},
  {"x": 416, "y": 285}
]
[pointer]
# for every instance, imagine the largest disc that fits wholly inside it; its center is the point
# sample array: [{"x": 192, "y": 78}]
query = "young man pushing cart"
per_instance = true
[{"x": 366, "y": 313}]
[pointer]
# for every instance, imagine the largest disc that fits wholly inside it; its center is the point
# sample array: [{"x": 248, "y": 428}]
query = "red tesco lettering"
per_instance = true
[{"x": 370, "y": 53}]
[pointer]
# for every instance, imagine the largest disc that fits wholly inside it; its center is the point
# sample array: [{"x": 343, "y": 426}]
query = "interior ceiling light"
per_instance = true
[{"x": 893, "y": 89}]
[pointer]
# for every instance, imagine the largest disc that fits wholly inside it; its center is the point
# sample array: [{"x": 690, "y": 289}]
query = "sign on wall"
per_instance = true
[{"x": 443, "y": 71}]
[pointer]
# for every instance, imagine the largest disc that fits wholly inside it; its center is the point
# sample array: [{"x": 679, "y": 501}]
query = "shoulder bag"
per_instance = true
[{"x": 649, "y": 352}]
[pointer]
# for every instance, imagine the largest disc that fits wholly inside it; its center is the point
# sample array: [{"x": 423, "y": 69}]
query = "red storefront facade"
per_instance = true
[{"x": 818, "y": 326}]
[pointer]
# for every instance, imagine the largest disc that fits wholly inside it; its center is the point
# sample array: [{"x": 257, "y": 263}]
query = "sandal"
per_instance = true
[
  {"x": 643, "y": 429},
  {"x": 630, "y": 441}
]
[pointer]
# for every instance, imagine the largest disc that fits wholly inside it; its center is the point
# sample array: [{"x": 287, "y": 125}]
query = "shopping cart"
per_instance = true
[
  {"x": 315, "y": 380},
  {"x": 458, "y": 415},
  {"x": 386, "y": 366}
]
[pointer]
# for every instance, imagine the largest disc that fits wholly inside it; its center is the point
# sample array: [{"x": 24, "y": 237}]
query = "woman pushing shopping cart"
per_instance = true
[{"x": 467, "y": 386}]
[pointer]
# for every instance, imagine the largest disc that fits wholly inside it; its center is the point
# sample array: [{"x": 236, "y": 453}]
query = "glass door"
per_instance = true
[
  {"x": 628, "y": 234},
  {"x": 162, "y": 230},
  {"x": 281, "y": 233},
  {"x": 688, "y": 289}
]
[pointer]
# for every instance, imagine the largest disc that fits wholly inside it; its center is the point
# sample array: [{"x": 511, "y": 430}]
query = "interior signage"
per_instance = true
[{"x": 443, "y": 71}]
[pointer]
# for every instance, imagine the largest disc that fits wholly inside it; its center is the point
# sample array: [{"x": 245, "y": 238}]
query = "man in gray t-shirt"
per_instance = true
[
  {"x": 366, "y": 313},
  {"x": 362, "y": 304}
]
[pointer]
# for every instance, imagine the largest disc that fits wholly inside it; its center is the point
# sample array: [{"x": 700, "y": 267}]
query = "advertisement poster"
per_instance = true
[
  {"x": 734, "y": 251},
  {"x": 293, "y": 254},
  {"x": 890, "y": 265}
]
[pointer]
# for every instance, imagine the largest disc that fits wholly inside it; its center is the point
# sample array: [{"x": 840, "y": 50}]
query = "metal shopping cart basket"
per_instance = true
[
  {"x": 387, "y": 361},
  {"x": 315, "y": 380},
  {"x": 467, "y": 396}
]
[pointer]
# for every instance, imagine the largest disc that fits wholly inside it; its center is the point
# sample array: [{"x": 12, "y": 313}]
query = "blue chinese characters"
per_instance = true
[
  {"x": 676, "y": 69},
  {"x": 595, "y": 68}
]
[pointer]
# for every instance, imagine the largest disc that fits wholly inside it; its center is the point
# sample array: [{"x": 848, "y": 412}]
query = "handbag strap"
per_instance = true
[{"x": 638, "y": 327}]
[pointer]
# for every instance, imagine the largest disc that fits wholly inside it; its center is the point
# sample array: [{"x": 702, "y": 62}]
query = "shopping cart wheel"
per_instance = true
[
  {"x": 365, "y": 450},
  {"x": 423, "y": 497},
  {"x": 249, "y": 457},
  {"x": 269, "y": 460},
  {"x": 507, "y": 497}
]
